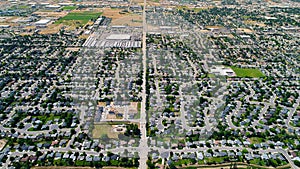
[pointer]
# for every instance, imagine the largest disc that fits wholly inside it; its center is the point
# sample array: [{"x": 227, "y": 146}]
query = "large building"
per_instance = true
[{"x": 42, "y": 22}]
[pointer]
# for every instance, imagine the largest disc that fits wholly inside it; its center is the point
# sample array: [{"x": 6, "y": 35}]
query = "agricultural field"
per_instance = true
[{"x": 247, "y": 72}]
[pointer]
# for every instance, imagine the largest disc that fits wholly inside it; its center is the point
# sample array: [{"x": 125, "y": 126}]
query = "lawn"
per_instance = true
[
  {"x": 69, "y": 8},
  {"x": 247, "y": 72},
  {"x": 80, "y": 18}
]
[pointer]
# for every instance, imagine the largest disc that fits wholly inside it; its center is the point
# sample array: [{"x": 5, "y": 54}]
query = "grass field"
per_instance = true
[
  {"x": 80, "y": 18},
  {"x": 102, "y": 129},
  {"x": 247, "y": 72},
  {"x": 69, "y": 7},
  {"x": 256, "y": 140}
]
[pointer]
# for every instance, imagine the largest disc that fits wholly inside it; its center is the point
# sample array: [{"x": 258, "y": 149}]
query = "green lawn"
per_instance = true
[
  {"x": 81, "y": 17},
  {"x": 69, "y": 7},
  {"x": 247, "y": 72}
]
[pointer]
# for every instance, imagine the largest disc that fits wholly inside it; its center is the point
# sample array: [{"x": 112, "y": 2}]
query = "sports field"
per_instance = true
[
  {"x": 81, "y": 18},
  {"x": 247, "y": 72}
]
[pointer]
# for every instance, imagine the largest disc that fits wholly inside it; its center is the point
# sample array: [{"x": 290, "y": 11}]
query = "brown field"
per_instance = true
[
  {"x": 134, "y": 105},
  {"x": 101, "y": 104},
  {"x": 245, "y": 30},
  {"x": 51, "y": 29},
  {"x": 251, "y": 22},
  {"x": 26, "y": 33},
  {"x": 119, "y": 18},
  {"x": 112, "y": 13},
  {"x": 213, "y": 27},
  {"x": 111, "y": 116},
  {"x": 73, "y": 49},
  {"x": 9, "y": 20},
  {"x": 83, "y": 36},
  {"x": 128, "y": 20},
  {"x": 2, "y": 144},
  {"x": 51, "y": 14}
]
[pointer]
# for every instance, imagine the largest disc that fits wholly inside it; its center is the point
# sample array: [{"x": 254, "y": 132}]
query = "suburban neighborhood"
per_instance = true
[{"x": 150, "y": 84}]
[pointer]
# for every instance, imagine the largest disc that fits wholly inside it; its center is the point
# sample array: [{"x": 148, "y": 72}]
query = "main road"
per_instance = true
[{"x": 143, "y": 147}]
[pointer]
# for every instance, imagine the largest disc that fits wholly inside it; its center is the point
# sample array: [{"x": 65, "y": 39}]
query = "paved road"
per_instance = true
[
  {"x": 292, "y": 112},
  {"x": 229, "y": 120},
  {"x": 143, "y": 152}
]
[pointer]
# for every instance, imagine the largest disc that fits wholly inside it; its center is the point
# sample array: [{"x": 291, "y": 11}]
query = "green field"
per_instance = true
[
  {"x": 247, "y": 72},
  {"x": 69, "y": 7},
  {"x": 81, "y": 18}
]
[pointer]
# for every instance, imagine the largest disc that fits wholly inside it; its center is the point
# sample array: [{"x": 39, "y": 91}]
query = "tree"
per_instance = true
[{"x": 244, "y": 151}]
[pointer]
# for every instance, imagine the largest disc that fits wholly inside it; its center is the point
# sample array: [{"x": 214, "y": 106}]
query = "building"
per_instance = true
[{"x": 42, "y": 22}]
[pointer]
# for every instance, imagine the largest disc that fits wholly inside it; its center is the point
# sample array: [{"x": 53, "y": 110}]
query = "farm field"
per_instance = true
[{"x": 247, "y": 72}]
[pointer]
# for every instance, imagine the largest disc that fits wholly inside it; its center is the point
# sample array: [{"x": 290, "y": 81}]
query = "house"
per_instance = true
[
  {"x": 154, "y": 156},
  {"x": 175, "y": 157},
  {"x": 57, "y": 156},
  {"x": 65, "y": 156},
  {"x": 248, "y": 156},
  {"x": 81, "y": 157},
  {"x": 96, "y": 158},
  {"x": 200, "y": 156},
  {"x": 239, "y": 153},
  {"x": 89, "y": 158},
  {"x": 192, "y": 156},
  {"x": 32, "y": 158},
  {"x": 207, "y": 154},
  {"x": 62, "y": 142},
  {"x": 265, "y": 156},
  {"x": 73, "y": 157},
  {"x": 42, "y": 157}
]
